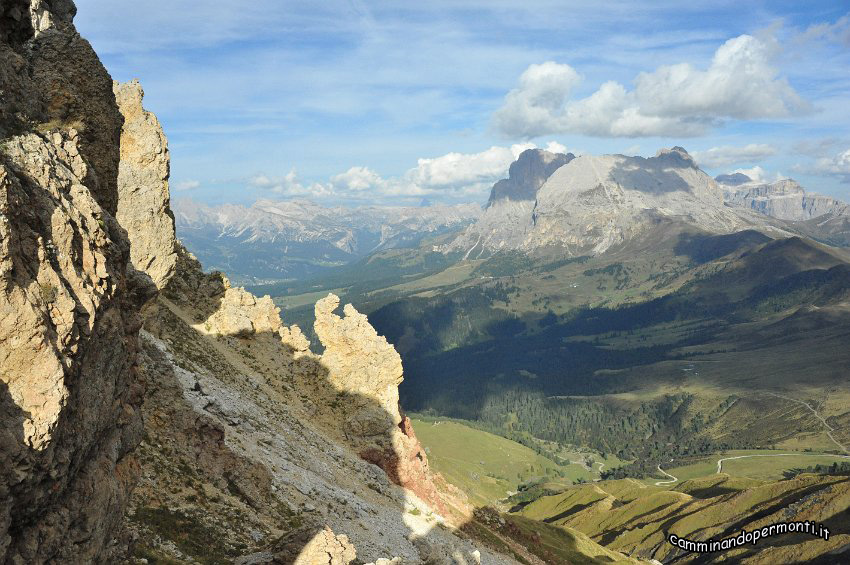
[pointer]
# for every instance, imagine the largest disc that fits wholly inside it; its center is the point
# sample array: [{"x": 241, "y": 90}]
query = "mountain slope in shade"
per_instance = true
[
  {"x": 832, "y": 228},
  {"x": 592, "y": 203},
  {"x": 273, "y": 240}
]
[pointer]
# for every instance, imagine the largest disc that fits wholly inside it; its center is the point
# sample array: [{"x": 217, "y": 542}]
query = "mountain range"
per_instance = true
[
  {"x": 549, "y": 202},
  {"x": 631, "y": 305},
  {"x": 274, "y": 240}
]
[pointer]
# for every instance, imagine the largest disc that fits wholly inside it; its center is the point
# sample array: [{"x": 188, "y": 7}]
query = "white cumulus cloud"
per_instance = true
[
  {"x": 532, "y": 108},
  {"x": 458, "y": 175},
  {"x": 838, "y": 165},
  {"x": 288, "y": 185},
  {"x": 729, "y": 155},
  {"x": 676, "y": 100},
  {"x": 758, "y": 174},
  {"x": 454, "y": 169}
]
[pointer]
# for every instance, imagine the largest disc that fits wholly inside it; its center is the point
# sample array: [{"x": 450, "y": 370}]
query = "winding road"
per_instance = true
[
  {"x": 720, "y": 461},
  {"x": 662, "y": 483},
  {"x": 829, "y": 429}
]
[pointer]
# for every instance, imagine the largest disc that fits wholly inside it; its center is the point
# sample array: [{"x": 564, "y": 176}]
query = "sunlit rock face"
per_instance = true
[
  {"x": 69, "y": 319},
  {"x": 784, "y": 199},
  {"x": 143, "y": 196}
]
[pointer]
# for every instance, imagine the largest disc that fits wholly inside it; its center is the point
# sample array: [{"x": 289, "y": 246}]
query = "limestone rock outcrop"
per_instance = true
[
  {"x": 224, "y": 309},
  {"x": 143, "y": 197},
  {"x": 322, "y": 548},
  {"x": 366, "y": 371},
  {"x": 52, "y": 80},
  {"x": 361, "y": 363},
  {"x": 69, "y": 396},
  {"x": 242, "y": 314},
  {"x": 784, "y": 199}
]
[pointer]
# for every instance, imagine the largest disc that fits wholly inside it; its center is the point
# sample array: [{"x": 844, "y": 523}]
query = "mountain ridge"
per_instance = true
[{"x": 296, "y": 238}]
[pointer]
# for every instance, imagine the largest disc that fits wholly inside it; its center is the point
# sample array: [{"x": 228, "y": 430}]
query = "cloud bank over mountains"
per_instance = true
[
  {"x": 726, "y": 155},
  {"x": 454, "y": 176},
  {"x": 838, "y": 166},
  {"x": 676, "y": 100}
]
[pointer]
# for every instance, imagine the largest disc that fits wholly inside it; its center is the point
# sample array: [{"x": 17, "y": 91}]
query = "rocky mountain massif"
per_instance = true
[
  {"x": 274, "y": 240},
  {"x": 816, "y": 216},
  {"x": 784, "y": 199},
  {"x": 589, "y": 204}
]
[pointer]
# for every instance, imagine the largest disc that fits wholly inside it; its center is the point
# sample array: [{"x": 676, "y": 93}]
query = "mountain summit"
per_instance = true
[{"x": 527, "y": 174}]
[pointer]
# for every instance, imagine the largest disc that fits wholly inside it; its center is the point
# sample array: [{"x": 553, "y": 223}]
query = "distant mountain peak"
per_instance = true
[
  {"x": 279, "y": 239},
  {"x": 678, "y": 155},
  {"x": 527, "y": 174},
  {"x": 733, "y": 179},
  {"x": 783, "y": 199}
]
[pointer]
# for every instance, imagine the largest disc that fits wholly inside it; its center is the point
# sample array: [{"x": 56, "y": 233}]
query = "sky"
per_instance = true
[{"x": 394, "y": 102}]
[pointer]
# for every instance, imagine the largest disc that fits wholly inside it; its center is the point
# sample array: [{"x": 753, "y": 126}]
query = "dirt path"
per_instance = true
[
  {"x": 662, "y": 483},
  {"x": 829, "y": 429}
]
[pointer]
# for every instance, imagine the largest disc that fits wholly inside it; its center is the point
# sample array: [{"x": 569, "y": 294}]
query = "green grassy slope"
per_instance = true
[
  {"x": 634, "y": 519},
  {"x": 488, "y": 467}
]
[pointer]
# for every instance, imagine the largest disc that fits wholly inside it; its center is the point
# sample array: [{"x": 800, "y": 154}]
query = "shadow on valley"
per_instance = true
[
  {"x": 459, "y": 348},
  {"x": 702, "y": 248},
  {"x": 544, "y": 376}
]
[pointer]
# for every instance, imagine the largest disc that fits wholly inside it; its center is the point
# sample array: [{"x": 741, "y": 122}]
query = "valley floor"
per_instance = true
[{"x": 537, "y": 498}]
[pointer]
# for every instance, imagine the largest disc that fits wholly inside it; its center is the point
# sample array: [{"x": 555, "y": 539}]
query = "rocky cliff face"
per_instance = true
[
  {"x": 783, "y": 199},
  {"x": 527, "y": 174},
  {"x": 507, "y": 219},
  {"x": 69, "y": 396}
]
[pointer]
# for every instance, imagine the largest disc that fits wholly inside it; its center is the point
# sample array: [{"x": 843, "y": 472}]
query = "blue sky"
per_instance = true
[{"x": 392, "y": 102}]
